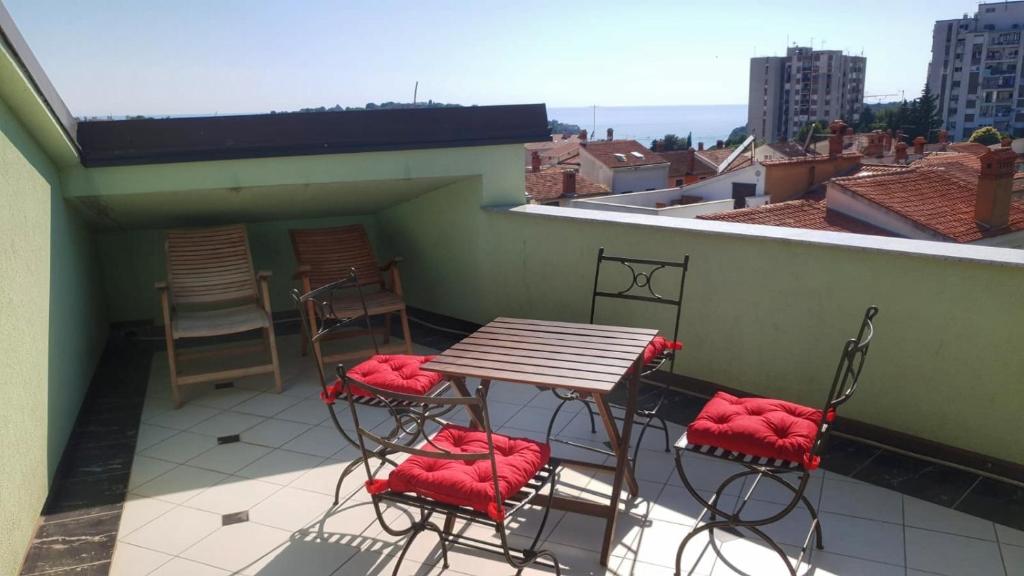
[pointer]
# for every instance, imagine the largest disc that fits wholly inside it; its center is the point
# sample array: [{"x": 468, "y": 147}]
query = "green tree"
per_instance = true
[
  {"x": 866, "y": 121},
  {"x": 671, "y": 142},
  {"x": 986, "y": 135},
  {"x": 819, "y": 129},
  {"x": 689, "y": 140},
  {"x": 924, "y": 116}
]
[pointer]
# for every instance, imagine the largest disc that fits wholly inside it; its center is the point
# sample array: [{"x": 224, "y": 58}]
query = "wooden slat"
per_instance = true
[
  {"x": 564, "y": 356},
  {"x": 595, "y": 342},
  {"x": 484, "y": 340},
  {"x": 330, "y": 251},
  {"x": 532, "y": 363},
  {"x": 568, "y": 331},
  {"x": 439, "y": 365},
  {"x": 645, "y": 331},
  {"x": 210, "y": 265},
  {"x": 530, "y": 369}
]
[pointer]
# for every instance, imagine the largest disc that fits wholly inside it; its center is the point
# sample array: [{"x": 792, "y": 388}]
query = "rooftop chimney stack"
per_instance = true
[
  {"x": 886, "y": 141},
  {"x": 535, "y": 161},
  {"x": 1006, "y": 142},
  {"x": 569, "y": 183},
  {"x": 700, "y": 146},
  {"x": 919, "y": 143},
  {"x": 901, "y": 152},
  {"x": 995, "y": 187},
  {"x": 720, "y": 144},
  {"x": 835, "y": 139},
  {"x": 611, "y": 134},
  {"x": 583, "y": 135},
  {"x": 659, "y": 145},
  {"x": 943, "y": 136},
  {"x": 691, "y": 160}
]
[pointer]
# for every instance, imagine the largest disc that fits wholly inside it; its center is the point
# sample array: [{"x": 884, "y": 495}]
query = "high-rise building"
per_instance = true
[
  {"x": 805, "y": 85},
  {"x": 975, "y": 67}
]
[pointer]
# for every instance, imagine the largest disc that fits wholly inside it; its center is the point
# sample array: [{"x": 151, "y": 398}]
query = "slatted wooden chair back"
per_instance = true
[
  {"x": 210, "y": 266},
  {"x": 331, "y": 253}
]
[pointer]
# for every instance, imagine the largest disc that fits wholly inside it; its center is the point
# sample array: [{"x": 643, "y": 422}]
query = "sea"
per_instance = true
[{"x": 646, "y": 123}]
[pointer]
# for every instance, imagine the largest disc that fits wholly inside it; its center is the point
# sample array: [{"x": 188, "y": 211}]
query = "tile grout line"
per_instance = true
[
  {"x": 999, "y": 548},
  {"x": 964, "y": 495},
  {"x": 903, "y": 515}
]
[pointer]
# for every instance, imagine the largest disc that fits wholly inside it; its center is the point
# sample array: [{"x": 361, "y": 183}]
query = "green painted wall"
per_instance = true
[
  {"x": 764, "y": 315},
  {"x": 51, "y": 329},
  {"x": 133, "y": 260}
]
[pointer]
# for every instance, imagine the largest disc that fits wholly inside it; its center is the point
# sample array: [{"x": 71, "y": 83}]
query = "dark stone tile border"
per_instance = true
[{"x": 79, "y": 523}]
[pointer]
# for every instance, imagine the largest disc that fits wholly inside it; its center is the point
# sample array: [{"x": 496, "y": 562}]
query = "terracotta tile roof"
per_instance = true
[
  {"x": 968, "y": 148},
  {"x": 801, "y": 159},
  {"x": 805, "y": 214},
  {"x": 605, "y": 152},
  {"x": 678, "y": 165},
  {"x": 546, "y": 185},
  {"x": 715, "y": 156},
  {"x": 937, "y": 192},
  {"x": 788, "y": 149}
]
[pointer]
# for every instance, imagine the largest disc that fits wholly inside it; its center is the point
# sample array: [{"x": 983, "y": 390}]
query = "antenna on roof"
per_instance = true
[{"x": 415, "y": 89}]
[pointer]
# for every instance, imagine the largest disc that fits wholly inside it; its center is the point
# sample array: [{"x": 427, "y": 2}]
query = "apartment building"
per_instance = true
[
  {"x": 975, "y": 69},
  {"x": 805, "y": 85}
]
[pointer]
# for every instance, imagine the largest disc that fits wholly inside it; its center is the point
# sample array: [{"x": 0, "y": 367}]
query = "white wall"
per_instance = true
[
  {"x": 634, "y": 205},
  {"x": 720, "y": 187},
  {"x": 639, "y": 178}
]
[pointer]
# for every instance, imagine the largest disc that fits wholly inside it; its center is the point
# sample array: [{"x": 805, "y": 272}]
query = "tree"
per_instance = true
[
  {"x": 986, "y": 135},
  {"x": 671, "y": 142},
  {"x": 866, "y": 122},
  {"x": 819, "y": 129},
  {"x": 924, "y": 117}
]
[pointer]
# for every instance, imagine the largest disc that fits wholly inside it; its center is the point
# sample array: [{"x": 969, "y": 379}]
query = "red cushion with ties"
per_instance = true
[
  {"x": 658, "y": 346},
  {"x": 392, "y": 372},
  {"x": 758, "y": 427},
  {"x": 467, "y": 483}
]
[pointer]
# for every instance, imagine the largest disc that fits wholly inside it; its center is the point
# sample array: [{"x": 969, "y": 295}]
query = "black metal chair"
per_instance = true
[
  {"x": 399, "y": 372},
  {"x": 658, "y": 353},
  {"x": 729, "y": 428},
  {"x": 458, "y": 473}
]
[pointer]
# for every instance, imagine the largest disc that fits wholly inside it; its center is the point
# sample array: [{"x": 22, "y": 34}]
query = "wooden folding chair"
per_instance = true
[
  {"x": 211, "y": 290},
  {"x": 326, "y": 255}
]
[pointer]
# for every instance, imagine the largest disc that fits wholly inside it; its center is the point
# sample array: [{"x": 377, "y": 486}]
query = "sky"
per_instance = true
[{"x": 175, "y": 57}]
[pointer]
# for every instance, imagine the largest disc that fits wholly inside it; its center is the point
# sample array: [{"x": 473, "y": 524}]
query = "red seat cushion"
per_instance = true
[
  {"x": 468, "y": 483},
  {"x": 393, "y": 372},
  {"x": 759, "y": 427},
  {"x": 659, "y": 345}
]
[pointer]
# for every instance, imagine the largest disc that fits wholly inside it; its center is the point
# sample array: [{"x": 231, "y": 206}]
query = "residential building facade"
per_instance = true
[
  {"x": 805, "y": 85},
  {"x": 623, "y": 166},
  {"x": 975, "y": 70}
]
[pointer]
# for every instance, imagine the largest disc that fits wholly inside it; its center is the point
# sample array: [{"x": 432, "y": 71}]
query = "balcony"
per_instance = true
[{"x": 926, "y": 476}]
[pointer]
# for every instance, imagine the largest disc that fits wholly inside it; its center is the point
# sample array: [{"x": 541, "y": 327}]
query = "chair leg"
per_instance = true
[
  {"x": 590, "y": 412},
  {"x": 406, "y": 334},
  {"x": 172, "y": 363},
  {"x": 271, "y": 341}
]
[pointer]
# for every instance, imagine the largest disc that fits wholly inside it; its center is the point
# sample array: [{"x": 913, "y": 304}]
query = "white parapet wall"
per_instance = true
[{"x": 632, "y": 205}]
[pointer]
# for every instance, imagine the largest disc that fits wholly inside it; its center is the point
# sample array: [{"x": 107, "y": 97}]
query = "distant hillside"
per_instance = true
[
  {"x": 374, "y": 106},
  {"x": 557, "y": 127}
]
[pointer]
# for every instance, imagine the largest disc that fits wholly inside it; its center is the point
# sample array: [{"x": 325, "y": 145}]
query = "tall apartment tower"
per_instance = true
[
  {"x": 975, "y": 67},
  {"x": 805, "y": 85}
]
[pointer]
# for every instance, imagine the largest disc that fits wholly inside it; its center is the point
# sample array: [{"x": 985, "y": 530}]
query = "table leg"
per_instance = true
[
  {"x": 623, "y": 470},
  {"x": 475, "y": 415}
]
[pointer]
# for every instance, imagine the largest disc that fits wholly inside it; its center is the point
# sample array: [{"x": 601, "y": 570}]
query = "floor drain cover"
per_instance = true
[
  {"x": 223, "y": 385},
  {"x": 230, "y": 439},
  {"x": 234, "y": 518}
]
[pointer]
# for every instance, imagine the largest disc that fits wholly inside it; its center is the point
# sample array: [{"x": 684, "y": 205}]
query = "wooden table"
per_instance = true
[{"x": 588, "y": 358}]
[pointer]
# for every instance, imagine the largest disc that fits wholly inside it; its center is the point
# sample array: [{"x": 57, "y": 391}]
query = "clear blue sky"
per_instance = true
[{"x": 242, "y": 56}]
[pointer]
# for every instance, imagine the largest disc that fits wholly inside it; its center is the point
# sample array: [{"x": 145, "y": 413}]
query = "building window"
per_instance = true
[{"x": 679, "y": 181}]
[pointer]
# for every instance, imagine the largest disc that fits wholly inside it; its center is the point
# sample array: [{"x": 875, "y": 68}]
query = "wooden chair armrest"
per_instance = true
[
  {"x": 302, "y": 270},
  {"x": 264, "y": 274},
  {"x": 161, "y": 285},
  {"x": 393, "y": 263}
]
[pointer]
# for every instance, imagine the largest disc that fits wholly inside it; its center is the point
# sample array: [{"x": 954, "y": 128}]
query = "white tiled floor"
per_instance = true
[{"x": 284, "y": 469}]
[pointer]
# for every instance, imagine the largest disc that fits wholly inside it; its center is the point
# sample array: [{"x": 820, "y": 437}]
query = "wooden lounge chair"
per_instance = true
[
  {"x": 326, "y": 255},
  {"x": 211, "y": 290}
]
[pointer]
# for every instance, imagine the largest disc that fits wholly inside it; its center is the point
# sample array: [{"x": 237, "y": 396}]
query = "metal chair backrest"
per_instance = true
[
  {"x": 331, "y": 252},
  {"x": 413, "y": 415},
  {"x": 208, "y": 266},
  {"x": 844, "y": 383},
  {"x": 641, "y": 287},
  {"x": 322, "y": 300}
]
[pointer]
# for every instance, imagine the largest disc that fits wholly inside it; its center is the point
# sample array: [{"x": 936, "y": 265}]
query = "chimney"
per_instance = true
[
  {"x": 835, "y": 140},
  {"x": 901, "y": 152},
  {"x": 569, "y": 183},
  {"x": 700, "y": 146},
  {"x": 1006, "y": 142},
  {"x": 995, "y": 185},
  {"x": 943, "y": 136},
  {"x": 691, "y": 160},
  {"x": 919, "y": 143},
  {"x": 720, "y": 144},
  {"x": 887, "y": 141},
  {"x": 659, "y": 146},
  {"x": 583, "y": 135},
  {"x": 782, "y": 139},
  {"x": 535, "y": 161},
  {"x": 611, "y": 134}
]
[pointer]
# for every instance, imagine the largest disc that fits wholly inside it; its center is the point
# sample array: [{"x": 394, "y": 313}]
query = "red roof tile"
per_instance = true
[
  {"x": 679, "y": 161},
  {"x": 715, "y": 157},
  {"x": 546, "y": 185},
  {"x": 968, "y": 148},
  {"x": 937, "y": 192},
  {"x": 805, "y": 214},
  {"x": 809, "y": 159},
  {"x": 605, "y": 152}
]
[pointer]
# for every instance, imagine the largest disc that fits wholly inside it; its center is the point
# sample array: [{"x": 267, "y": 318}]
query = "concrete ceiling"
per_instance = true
[{"x": 251, "y": 204}]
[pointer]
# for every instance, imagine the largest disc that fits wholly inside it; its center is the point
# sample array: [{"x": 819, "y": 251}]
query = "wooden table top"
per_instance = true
[{"x": 586, "y": 357}]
